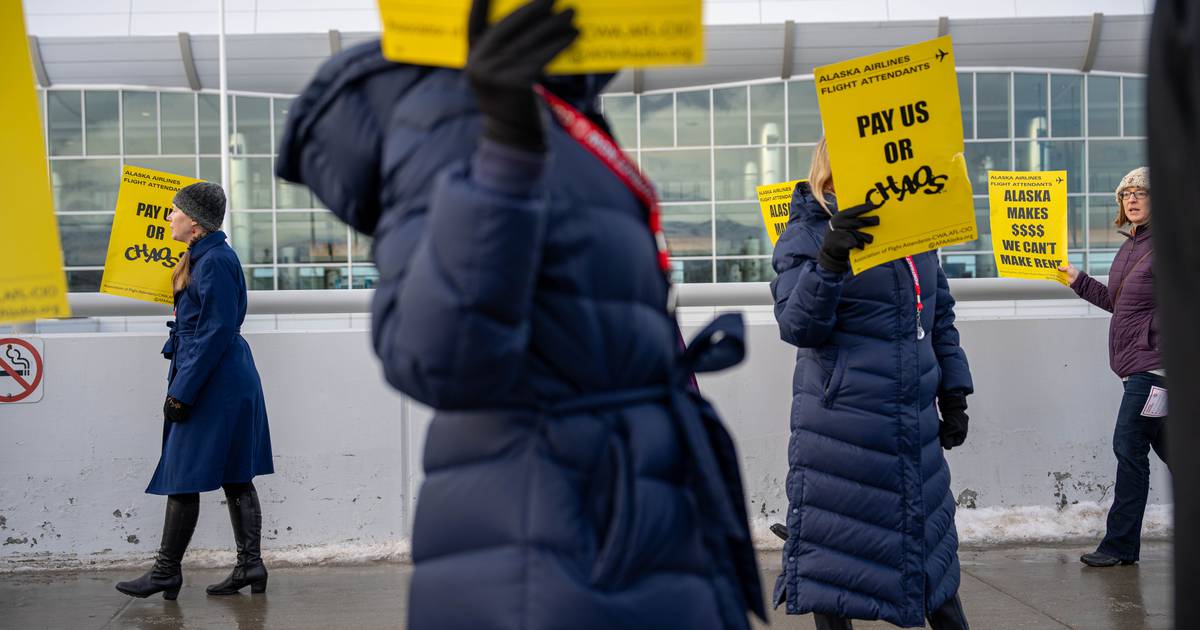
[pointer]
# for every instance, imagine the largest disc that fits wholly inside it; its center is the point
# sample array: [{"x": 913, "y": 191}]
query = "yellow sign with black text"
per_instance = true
[
  {"x": 141, "y": 253},
  {"x": 893, "y": 125},
  {"x": 614, "y": 34},
  {"x": 1029, "y": 223},
  {"x": 32, "y": 282},
  {"x": 775, "y": 201}
]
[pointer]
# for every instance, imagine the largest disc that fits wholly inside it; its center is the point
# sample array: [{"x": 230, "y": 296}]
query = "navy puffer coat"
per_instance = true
[
  {"x": 870, "y": 515},
  {"x": 572, "y": 478}
]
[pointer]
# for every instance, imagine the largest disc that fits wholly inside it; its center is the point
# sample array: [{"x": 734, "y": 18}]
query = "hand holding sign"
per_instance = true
[{"x": 846, "y": 234}]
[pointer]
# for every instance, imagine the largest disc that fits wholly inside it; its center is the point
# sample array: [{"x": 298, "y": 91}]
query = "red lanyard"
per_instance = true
[
  {"x": 912, "y": 266},
  {"x": 602, "y": 146}
]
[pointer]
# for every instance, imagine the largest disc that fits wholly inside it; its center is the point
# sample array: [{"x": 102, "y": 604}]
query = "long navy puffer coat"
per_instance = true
[
  {"x": 870, "y": 513},
  {"x": 226, "y": 438},
  {"x": 572, "y": 478}
]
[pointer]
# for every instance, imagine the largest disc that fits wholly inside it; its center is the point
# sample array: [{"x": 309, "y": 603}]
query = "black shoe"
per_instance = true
[
  {"x": 1098, "y": 559},
  {"x": 780, "y": 530},
  {"x": 830, "y": 622},
  {"x": 245, "y": 514},
  {"x": 166, "y": 576}
]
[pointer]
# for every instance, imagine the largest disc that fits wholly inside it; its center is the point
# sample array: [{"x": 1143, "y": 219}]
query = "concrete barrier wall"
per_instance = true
[{"x": 73, "y": 467}]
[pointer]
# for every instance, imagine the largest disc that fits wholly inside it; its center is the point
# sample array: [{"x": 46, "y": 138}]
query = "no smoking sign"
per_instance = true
[{"x": 21, "y": 370}]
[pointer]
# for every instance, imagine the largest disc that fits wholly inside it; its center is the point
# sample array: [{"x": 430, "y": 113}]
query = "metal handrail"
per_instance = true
[{"x": 726, "y": 294}]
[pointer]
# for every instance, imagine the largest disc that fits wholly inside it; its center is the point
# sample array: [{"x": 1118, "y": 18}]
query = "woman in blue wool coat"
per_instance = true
[
  {"x": 215, "y": 432},
  {"x": 870, "y": 521},
  {"x": 573, "y": 479}
]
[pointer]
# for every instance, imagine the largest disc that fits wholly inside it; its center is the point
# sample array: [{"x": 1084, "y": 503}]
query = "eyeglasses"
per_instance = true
[{"x": 1140, "y": 195}]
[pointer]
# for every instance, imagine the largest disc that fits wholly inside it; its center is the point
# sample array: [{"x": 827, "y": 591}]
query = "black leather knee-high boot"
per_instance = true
[
  {"x": 166, "y": 576},
  {"x": 245, "y": 514}
]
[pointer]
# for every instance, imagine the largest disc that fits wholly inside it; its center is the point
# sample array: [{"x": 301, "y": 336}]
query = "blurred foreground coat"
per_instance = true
[
  {"x": 870, "y": 517},
  {"x": 573, "y": 480},
  {"x": 226, "y": 438}
]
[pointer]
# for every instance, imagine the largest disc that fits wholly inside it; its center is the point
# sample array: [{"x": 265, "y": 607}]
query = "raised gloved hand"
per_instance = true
[
  {"x": 506, "y": 59},
  {"x": 953, "y": 430},
  {"x": 844, "y": 235},
  {"x": 175, "y": 410}
]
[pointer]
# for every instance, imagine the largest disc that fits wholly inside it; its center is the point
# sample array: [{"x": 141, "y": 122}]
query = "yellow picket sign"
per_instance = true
[
  {"x": 1029, "y": 223},
  {"x": 141, "y": 253},
  {"x": 32, "y": 282},
  {"x": 775, "y": 202},
  {"x": 894, "y": 130},
  {"x": 614, "y": 34}
]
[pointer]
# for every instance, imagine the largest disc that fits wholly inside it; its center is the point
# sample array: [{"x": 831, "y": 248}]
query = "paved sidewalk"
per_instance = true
[{"x": 1007, "y": 588}]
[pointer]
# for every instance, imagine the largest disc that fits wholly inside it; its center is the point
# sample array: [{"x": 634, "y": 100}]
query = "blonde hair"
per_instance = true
[
  {"x": 182, "y": 276},
  {"x": 820, "y": 175}
]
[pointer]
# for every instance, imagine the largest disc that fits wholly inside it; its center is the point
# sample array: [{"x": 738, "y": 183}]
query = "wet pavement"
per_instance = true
[{"x": 1003, "y": 588}]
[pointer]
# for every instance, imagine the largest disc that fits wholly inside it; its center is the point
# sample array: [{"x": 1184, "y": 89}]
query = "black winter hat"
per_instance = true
[{"x": 204, "y": 202}]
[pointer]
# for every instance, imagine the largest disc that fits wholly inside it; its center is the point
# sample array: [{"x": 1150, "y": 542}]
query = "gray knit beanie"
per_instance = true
[
  {"x": 204, "y": 202},
  {"x": 1137, "y": 178}
]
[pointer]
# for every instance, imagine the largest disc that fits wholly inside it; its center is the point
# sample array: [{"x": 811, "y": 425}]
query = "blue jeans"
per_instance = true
[{"x": 1134, "y": 437}]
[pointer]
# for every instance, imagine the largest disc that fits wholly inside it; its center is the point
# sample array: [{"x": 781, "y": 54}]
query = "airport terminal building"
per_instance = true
[{"x": 134, "y": 83}]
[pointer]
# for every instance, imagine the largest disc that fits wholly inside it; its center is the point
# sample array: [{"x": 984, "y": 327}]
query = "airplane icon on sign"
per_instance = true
[
  {"x": 941, "y": 54},
  {"x": 1060, "y": 180}
]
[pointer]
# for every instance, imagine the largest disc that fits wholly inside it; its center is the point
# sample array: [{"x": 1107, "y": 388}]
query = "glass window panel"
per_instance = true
[
  {"x": 1076, "y": 227},
  {"x": 730, "y": 116},
  {"x": 208, "y": 114},
  {"x": 799, "y": 161},
  {"x": 1110, "y": 160},
  {"x": 178, "y": 123},
  {"x": 292, "y": 196},
  {"x": 745, "y": 270},
  {"x": 360, "y": 247},
  {"x": 658, "y": 120},
  {"x": 281, "y": 107},
  {"x": 102, "y": 113},
  {"x": 1102, "y": 230},
  {"x": 82, "y": 185},
  {"x": 983, "y": 157},
  {"x": 252, "y": 236},
  {"x": 679, "y": 175},
  {"x": 65, "y": 122},
  {"x": 310, "y": 237},
  {"x": 688, "y": 229},
  {"x": 740, "y": 230},
  {"x": 1099, "y": 263},
  {"x": 365, "y": 277},
  {"x": 1052, "y": 155},
  {"x": 740, "y": 171},
  {"x": 766, "y": 114},
  {"x": 210, "y": 170},
  {"x": 1031, "y": 120},
  {"x": 260, "y": 278},
  {"x": 177, "y": 166},
  {"x": 250, "y": 183},
  {"x": 1135, "y": 106},
  {"x": 692, "y": 119},
  {"x": 140, "y": 111},
  {"x": 621, "y": 112},
  {"x": 804, "y": 117},
  {"x": 253, "y": 130},
  {"x": 691, "y": 271},
  {"x": 84, "y": 280},
  {"x": 84, "y": 238},
  {"x": 313, "y": 278},
  {"x": 969, "y": 265},
  {"x": 966, "y": 99},
  {"x": 983, "y": 224},
  {"x": 1104, "y": 106},
  {"x": 991, "y": 105},
  {"x": 1066, "y": 105}
]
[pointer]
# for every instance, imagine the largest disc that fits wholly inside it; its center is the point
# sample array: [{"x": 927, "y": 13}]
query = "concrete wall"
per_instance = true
[{"x": 347, "y": 449}]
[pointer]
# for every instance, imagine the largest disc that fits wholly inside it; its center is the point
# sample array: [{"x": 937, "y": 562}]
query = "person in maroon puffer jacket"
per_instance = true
[{"x": 1134, "y": 356}]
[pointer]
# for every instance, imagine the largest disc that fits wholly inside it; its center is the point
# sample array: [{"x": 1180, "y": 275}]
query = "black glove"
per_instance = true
[
  {"x": 175, "y": 410},
  {"x": 953, "y": 430},
  {"x": 844, "y": 235},
  {"x": 507, "y": 59}
]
